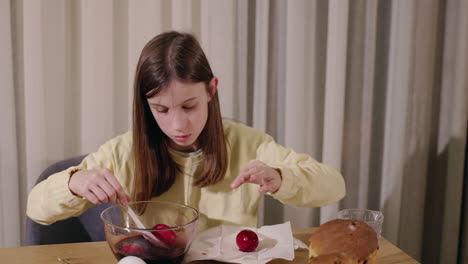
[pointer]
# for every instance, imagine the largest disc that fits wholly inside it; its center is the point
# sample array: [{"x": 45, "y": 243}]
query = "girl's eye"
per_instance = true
[
  {"x": 160, "y": 110},
  {"x": 189, "y": 107}
]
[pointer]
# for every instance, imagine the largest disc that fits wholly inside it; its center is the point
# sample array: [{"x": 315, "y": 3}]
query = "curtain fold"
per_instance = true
[
  {"x": 463, "y": 248},
  {"x": 10, "y": 223},
  {"x": 303, "y": 92},
  {"x": 400, "y": 69},
  {"x": 421, "y": 99},
  {"x": 451, "y": 133},
  {"x": 376, "y": 89},
  {"x": 335, "y": 88}
]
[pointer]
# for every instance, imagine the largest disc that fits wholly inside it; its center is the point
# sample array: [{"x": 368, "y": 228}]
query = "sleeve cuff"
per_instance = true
[
  {"x": 288, "y": 188},
  {"x": 68, "y": 197}
]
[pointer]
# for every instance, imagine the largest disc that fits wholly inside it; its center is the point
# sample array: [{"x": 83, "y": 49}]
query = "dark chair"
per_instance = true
[{"x": 85, "y": 228}]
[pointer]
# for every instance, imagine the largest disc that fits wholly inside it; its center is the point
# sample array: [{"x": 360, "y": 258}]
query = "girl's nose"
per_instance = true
[{"x": 179, "y": 121}]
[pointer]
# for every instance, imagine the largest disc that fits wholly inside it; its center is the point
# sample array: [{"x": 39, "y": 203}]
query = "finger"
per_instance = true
[
  {"x": 245, "y": 173},
  {"x": 121, "y": 194},
  {"x": 256, "y": 176},
  {"x": 99, "y": 193},
  {"x": 91, "y": 197},
  {"x": 108, "y": 190},
  {"x": 242, "y": 178},
  {"x": 246, "y": 170},
  {"x": 263, "y": 189},
  {"x": 251, "y": 169}
]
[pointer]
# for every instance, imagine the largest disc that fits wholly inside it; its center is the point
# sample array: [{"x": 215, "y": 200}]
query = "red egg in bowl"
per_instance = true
[{"x": 171, "y": 229}]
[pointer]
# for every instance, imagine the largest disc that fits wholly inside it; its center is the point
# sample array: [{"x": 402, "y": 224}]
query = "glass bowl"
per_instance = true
[
  {"x": 174, "y": 226},
  {"x": 370, "y": 217}
]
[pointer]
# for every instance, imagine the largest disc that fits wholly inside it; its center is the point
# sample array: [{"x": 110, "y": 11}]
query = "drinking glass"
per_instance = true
[{"x": 370, "y": 217}]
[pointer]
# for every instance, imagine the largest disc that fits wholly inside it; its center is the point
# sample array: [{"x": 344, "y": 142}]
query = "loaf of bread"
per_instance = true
[
  {"x": 344, "y": 241},
  {"x": 335, "y": 258}
]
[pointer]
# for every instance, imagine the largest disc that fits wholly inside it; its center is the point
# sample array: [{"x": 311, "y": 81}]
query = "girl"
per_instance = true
[{"x": 181, "y": 150}]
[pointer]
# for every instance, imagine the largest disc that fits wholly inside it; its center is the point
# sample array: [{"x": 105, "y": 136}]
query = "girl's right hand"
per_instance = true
[{"x": 98, "y": 186}]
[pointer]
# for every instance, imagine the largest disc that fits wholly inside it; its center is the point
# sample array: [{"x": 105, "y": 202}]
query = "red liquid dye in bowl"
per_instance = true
[{"x": 138, "y": 246}]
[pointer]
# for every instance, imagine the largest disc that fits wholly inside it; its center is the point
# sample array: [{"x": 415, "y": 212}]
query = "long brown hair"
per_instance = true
[{"x": 172, "y": 56}]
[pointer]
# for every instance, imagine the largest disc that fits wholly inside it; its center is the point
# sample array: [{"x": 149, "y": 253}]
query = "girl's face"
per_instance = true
[{"x": 181, "y": 111}]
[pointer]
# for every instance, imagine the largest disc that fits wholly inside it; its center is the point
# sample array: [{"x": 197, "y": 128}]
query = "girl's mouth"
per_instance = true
[{"x": 182, "y": 139}]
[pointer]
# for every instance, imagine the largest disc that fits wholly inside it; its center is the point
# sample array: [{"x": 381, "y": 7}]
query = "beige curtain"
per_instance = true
[
  {"x": 376, "y": 89},
  {"x": 10, "y": 222}
]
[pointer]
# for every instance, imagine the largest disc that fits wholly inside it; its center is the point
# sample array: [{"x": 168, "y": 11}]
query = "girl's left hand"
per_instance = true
[{"x": 259, "y": 173}]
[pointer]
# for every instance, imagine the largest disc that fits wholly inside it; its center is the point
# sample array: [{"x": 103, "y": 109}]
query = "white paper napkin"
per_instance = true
[{"x": 219, "y": 243}]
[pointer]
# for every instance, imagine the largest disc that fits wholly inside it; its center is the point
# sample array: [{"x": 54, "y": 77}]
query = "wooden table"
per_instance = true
[{"x": 100, "y": 253}]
